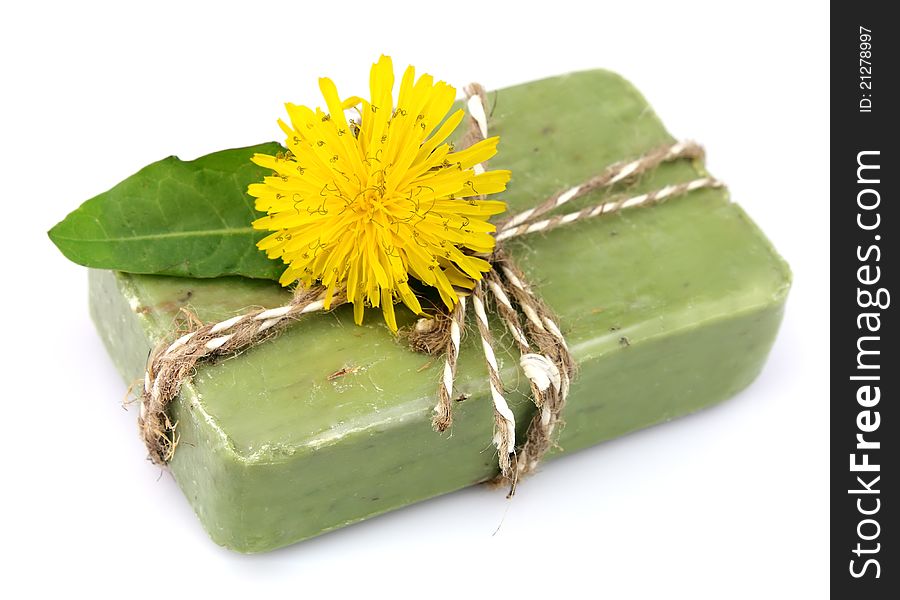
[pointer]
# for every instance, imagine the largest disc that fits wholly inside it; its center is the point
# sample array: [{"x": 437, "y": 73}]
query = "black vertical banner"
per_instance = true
[{"x": 865, "y": 370}]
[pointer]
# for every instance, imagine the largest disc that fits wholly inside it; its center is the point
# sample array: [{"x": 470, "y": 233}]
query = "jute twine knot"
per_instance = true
[{"x": 545, "y": 358}]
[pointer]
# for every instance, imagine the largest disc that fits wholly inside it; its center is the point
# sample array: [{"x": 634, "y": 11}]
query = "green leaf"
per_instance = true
[{"x": 175, "y": 217}]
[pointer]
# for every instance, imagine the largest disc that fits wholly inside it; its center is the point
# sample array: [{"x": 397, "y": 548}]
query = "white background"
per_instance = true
[{"x": 730, "y": 503}]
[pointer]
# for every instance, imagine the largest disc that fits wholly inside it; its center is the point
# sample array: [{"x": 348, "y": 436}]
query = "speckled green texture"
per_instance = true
[{"x": 667, "y": 310}]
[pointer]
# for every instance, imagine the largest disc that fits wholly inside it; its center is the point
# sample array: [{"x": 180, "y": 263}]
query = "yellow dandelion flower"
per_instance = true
[{"x": 365, "y": 203}]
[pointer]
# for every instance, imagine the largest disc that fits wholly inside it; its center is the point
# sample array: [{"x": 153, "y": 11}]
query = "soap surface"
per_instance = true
[{"x": 667, "y": 310}]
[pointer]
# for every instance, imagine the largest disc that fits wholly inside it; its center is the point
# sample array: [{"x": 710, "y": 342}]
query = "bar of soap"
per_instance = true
[{"x": 667, "y": 309}]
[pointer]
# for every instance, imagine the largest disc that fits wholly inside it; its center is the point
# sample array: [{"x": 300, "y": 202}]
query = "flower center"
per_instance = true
[{"x": 368, "y": 202}]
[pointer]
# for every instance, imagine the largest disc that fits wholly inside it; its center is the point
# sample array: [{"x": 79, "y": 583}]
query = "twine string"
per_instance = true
[
  {"x": 545, "y": 358},
  {"x": 170, "y": 366},
  {"x": 443, "y": 411},
  {"x": 504, "y": 420},
  {"x": 589, "y": 212},
  {"x": 611, "y": 175}
]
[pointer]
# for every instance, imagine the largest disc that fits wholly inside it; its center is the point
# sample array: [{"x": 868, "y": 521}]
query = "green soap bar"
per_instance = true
[{"x": 667, "y": 309}]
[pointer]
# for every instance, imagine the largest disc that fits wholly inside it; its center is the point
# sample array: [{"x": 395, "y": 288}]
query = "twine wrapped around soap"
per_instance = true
[{"x": 544, "y": 354}]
